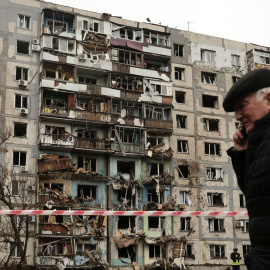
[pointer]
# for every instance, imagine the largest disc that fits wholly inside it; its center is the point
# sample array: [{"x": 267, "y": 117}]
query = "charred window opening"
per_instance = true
[
  {"x": 216, "y": 225},
  {"x": 55, "y": 103},
  {"x": 242, "y": 200},
  {"x": 21, "y": 73},
  {"x": 54, "y": 186},
  {"x": 211, "y": 124},
  {"x": 88, "y": 164},
  {"x": 178, "y": 50},
  {"x": 212, "y": 149},
  {"x": 182, "y": 146},
  {"x": 126, "y": 82},
  {"x": 185, "y": 223},
  {"x": 155, "y": 169},
  {"x": 157, "y": 251},
  {"x": 58, "y": 72},
  {"x": 86, "y": 191},
  {"x": 128, "y": 252},
  {"x": 20, "y": 129},
  {"x": 153, "y": 196},
  {"x": 210, "y": 101},
  {"x": 181, "y": 121},
  {"x": 126, "y": 222},
  {"x": 156, "y": 38},
  {"x": 179, "y": 73},
  {"x": 22, "y": 47},
  {"x": 215, "y": 199},
  {"x": 180, "y": 97},
  {"x": 19, "y": 158},
  {"x": 126, "y": 167},
  {"x": 183, "y": 171},
  {"x": 125, "y": 196}
]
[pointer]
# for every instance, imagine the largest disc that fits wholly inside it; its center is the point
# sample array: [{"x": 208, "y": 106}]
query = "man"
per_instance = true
[
  {"x": 249, "y": 97},
  {"x": 235, "y": 257}
]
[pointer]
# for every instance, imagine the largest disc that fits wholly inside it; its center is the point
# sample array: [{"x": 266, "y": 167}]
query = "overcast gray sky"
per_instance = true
[{"x": 241, "y": 20}]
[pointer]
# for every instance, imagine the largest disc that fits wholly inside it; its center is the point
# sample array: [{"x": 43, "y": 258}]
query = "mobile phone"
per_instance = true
[{"x": 243, "y": 131}]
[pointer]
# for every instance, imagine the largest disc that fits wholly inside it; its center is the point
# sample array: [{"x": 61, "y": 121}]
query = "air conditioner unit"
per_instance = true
[
  {"x": 24, "y": 168},
  {"x": 35, "y": 41},
  {"x": 31, "y": 218},
  {"x": 239, "y": 223},
  {"x": 31, "y": 188},
  {"x": 24, "y": 111},
  {"x": 182, "y": 206},
  {"x": 23, "y": 83},
  {"x": 35, "y": 48},
  {"x": 82, "y": 56}
]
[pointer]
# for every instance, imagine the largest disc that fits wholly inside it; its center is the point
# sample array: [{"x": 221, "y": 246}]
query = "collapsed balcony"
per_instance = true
[
  {"x": 57, "y": 72},
  {"x": 54, "y": 162}
]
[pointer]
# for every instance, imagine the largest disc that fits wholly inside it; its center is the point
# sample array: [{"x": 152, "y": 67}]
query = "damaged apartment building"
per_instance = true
[{"x": 112, "y": 114}]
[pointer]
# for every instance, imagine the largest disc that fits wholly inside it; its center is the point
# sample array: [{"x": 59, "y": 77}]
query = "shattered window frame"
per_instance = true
[
  {"x": 210, "y": 124},
  {"x": 181, "y": 121},
  {"x": 214, "y": 174},
  {"x": 24, "y": 21},
  {"x": 21, "y": 73},
  {"x": 185, "y": 224},
  {"x": 178, "y": 50},
  {"x": 184, "y": 197},
  {"x": 245, "y": 228},
  {"x": 182, "y": 146},
  {"x": 122, "y": 220},
  {"x": 216, "y": 225},
  {"x": 209, "y": 78},
  {"x": 127, "y": 57},
  {"x": 84, "y": 246},
  {"x": 158, "y": 167},
  {"x": 215, "y": 199},
  {"x": 179, "y": 73},
  {"x": 156, "y": 250},
  {"x": 212, "y": 149},
  {"x": 180, "y": 97},
  {"x": 92, "y": 191},
  {"x": 242, "y": 201},
  {"x": 185, "y": 173},
  {"x": 208, "y": 55},
  {"x": 156, "y": 38},
  {"x": 217, "y": 251},
  {"x": 160, "y": 196}
]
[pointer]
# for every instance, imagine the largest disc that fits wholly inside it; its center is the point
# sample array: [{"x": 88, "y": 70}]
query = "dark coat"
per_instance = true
[{"x": 252, "y": 168}]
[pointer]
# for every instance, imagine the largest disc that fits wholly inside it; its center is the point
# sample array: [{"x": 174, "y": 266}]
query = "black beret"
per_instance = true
[{"x": 249, "y": 83}]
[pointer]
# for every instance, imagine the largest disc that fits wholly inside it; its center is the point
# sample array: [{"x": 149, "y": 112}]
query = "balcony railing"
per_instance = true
[
  {"x": 158, "y": 124},
  {"x": 54, "y": 165},
  {"x": 99, "y": 144},
  {"x": 57, "y": 140},
  {"x": 54, "y": 110},
  {"x": 128, "y": 147}
]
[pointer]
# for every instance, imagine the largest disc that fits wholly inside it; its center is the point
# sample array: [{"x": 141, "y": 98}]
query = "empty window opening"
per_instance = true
[
  {"x": 215, "y": 199},
  {"x": 54, "y": 186},
  {"x": 209, "y": 101},
  {"x": 181, "y": 121},
  {"x": 155, "y": 169},
  {"x": 128, "y": 252},
  {"x": 185, "y": 223},
  {"x": 182, "y": 146},
  {"x": 209, "y": 78},
  {"x": 183, "y": 171},
  {"x": 19, "y": 158},
  {"x": 154, "y": 140},
  {"x": 211, "y": 124},
  {"x": 126, "y": 167},
  {"x": 178, "y": 50},
  {"x": 216, "y": 225},
  {"x": 184, "y": 198},
  {"x": 21, "y": 73},
  {"x": 212, "y": 149},
  {"x": 155, "y": 251},
  {"x": 83, "y": 247},
  {"x": 153, "y": 196},
  {"x": 24, "y": 21},
  {"x": 21, "y": 102},
  {"x": 208, "y": 56},
  {"x": 242, "y": 200},
  {"x": 214, "y": 174},
  {"x": 153, "y": 222},
  {"x": 217, "y": 251},
  {"x": 88, "y": 164},
  {"x": 20, "y": 129},
  {"x": 125, "y": 222},
  {"x": 188, "y": 251},
  {"x": 125, "y": 196},
  {"x": 180, "y": 97},
  {"x": 22, "y": 47},
  {"x": 85, "y": 191},
  {"x": 179, "y": 73}
]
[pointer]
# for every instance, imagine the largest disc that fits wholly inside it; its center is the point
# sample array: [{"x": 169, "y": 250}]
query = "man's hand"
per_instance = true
[{"x": 240, "y": 141}]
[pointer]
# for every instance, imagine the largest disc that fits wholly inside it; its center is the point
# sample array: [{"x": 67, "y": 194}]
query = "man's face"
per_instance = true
[{"x": 248, "y": 110}]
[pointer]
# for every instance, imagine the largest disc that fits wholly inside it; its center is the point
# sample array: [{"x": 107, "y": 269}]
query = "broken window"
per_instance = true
[
  {"x": 184, "y": 198},
  {"x": 127, "y": 196},
  {"x": 53, "y": 249},
  {"x": 21, "y": 73},
  {"x": 245, "y": 228},
  {"x": 126, "y": 82},
  {"x": 20, "y": 129},
  {"x": 161, "y": 89},
  {"x": 156, "y": 38},
  {"x": 179, "y": 73},
  {"x": 57, "y": 27},
  {"x": 127, "y": 57},
  {"x": 154, "y": 141},
  {"x": 211, "y": 124},
  {"x": 88, "y": 164},
  {"x": 235, "y": 60},
  {"x": 214, "y": 174},
  {"x": 157, "y": 113},
  {"x": 210, "y": 101},
  {"x": 217, "y": 251},
  {"x": 188, "y": 251},
  {"x": 156, "y": 222},
  {"x": 17, "y": 187},
  {"x": 178, "y": 50},
  {"x": 19, "y": 158},
  {"x": 235, "y": 79},
  {"x": 86, "y": 191},
  {"x": 209, "y": 78},
  {"x": 22, "y": 47},
  {"x": 183, "y": 171},
  {"x": 126, "y": 222},
  {"x": 54, "y": 186},
  {"x": 185, "y": 223},
  {"x": 24, "y": 21},
  {"x": 154, "y": 196},
  {"x": 180, "y": 97},
  {"x": 126, "y": 167},
  {"x": 181, "y": 121},
  {"x": 21, "y": 101},
  {"x": 215, "y": 199},
  {"x": 242, "y": 200},
  {"x": 155, "y": 251},
  {"x": 182, "y": 146},
  {"x": 216, "y": 225},
  {"x": 128, "y": 252},
  {"x": 212, "y": 149},
  {"x": 155, "y": 169},
  {"x": 85, "y": 246},
  {"x": 58, "y": 133},
  {"x": 262, "y": 57},
  {"x": 208, "y": 56},
  {"x": 87, "y": 80}
]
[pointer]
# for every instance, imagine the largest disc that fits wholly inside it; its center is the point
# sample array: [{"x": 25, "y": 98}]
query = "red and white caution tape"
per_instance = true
[{"x": 126, "y": 213}]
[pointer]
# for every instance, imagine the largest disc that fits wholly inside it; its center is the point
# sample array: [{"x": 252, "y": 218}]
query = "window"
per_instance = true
[
  {"x": 155, "y": 169},
  {"x": 211, "y": 124},
  {"x": 126, "y": 167},
  {"x": 245, "y": 228},
  {"x": 184, "y": 198},
  {"x": 214, "y": 174},
  {"x": 22, "y": 47},
  {"x": 242, "y": 200},
  {"x": 208, "y": 56},
  {"x": 85, "y": 246},
  {"x": 235, "y": 79},
  {"x": 182, "y": 146},
  {"x": 87, "y": 80},
  {"x": 215, "y": 199},
  {"x": 126, "y": 222},
  {"x": 21, "y": 102},
  {"x": 54, "y": 186},
  {"x": 178, "y": 50},
  {"x": 155, "y": 251},
  {"x": 185, "y": 223},
  {"x": 17, "y": 187},
  {"x": 212, "y": 149},
  {"x": 128, "y": 253},
  {"x": 153, "y": 196},
  {"x": 183, "y": 171},
  {"x": 14, "y": 252},
  {"x": 88, "y": 164},
  {"x": 154, "y": 140},
  {"x": 19, "y": 158},
  {"x": 180, "y": 97},
  {"x": 20, "y": 129},
  {"x": 216, "y": 225},
  {"x": 245, "y": 249},
  {"x": 24, "y": 21},
  {"x": 210, "y": 101},
  {"x": 262, "y": 57},
  {"x": 86, "y": 191},
  {"x": 217, "y": 251},
  {"x": 155, "y": 222},
  {"x": 156, "y": 38},
  {"x": 181, "y": 121},
  {"x": 179, "y": 73},
  {"x": 21, "y": 73},
  {"x": 188, "y": 251},
  {"x": 209, "y": 78},
  {"x": 235, "y": 60}
]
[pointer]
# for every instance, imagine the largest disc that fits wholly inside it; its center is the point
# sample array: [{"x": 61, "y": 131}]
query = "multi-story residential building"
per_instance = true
[{"x": 112, "y": 114}]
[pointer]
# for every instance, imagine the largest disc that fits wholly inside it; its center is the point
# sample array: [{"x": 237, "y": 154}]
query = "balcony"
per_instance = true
[
  {"x": 128, "y": 147},
  {"x": 57, "y": 140},
  {"x": 99, "y": 144},
  {"x": 150, "y": 123},
  {"x": 54, "y": 164},
  {"x": 55, "y": 228},
  {"x": 93, "y": 116}
]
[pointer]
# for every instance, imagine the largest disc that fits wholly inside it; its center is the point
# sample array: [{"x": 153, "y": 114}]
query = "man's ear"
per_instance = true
[{"x": 268, "y": 99}]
